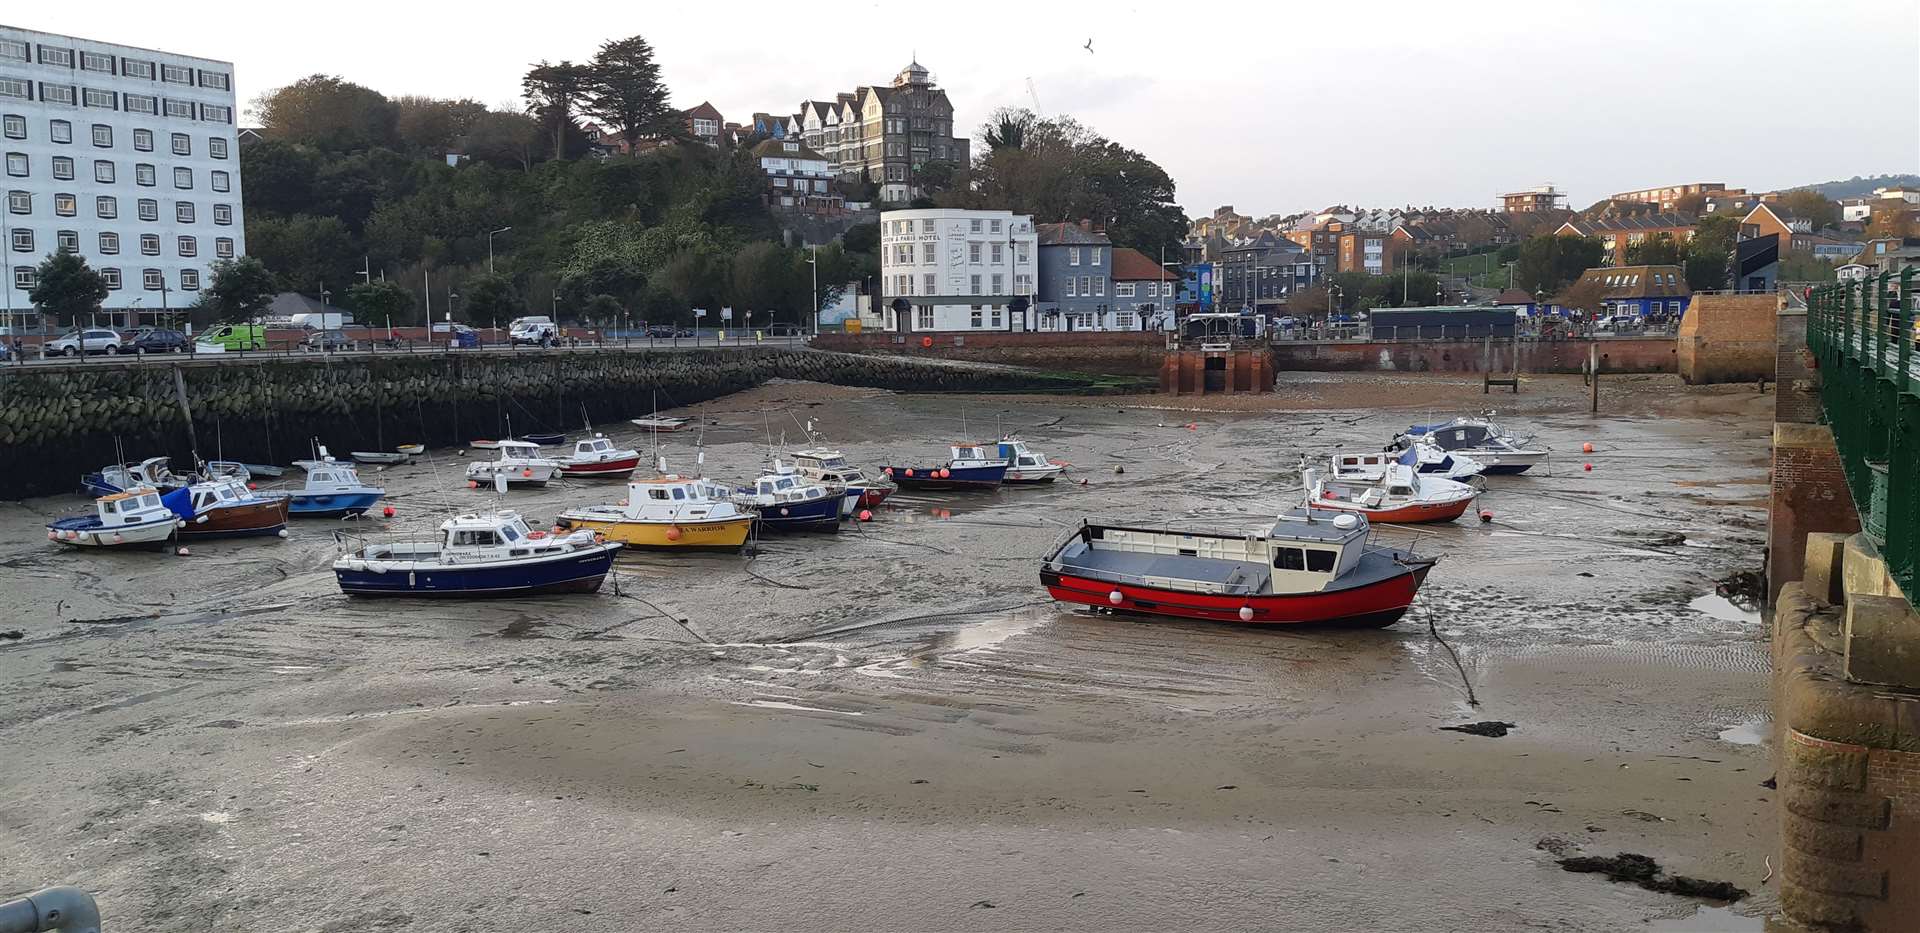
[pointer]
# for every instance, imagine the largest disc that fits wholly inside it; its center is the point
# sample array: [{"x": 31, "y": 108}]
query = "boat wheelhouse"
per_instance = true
[
  {"x": 479, "y": 555},
  {"x": 1303, "y": 569},
  {"x": 133, "y": 518},
  {"x": 152, "y": 473},
  {"x": 668, "y": 512}
]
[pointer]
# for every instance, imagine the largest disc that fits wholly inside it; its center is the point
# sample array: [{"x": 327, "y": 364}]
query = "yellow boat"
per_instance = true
[{"x": 668, "y": 512}]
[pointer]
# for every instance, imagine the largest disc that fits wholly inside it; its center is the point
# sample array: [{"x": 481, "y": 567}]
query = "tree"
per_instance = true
[
  {"x": 65, "y": 286},
  {"x": 502, "y": 138},
  {"x": 432, "y": 126},
  {"x": 1715, "y": 232},
  {"x": 1809, "y": 204},
  {"x": 623, "y": 90},
  {"x": 279, "y": 177},
  {"x": 381, "y": 302},
  {"x": 305, "y": 252},
  {"x": 328, "y": 113},
  {"x": 604, "y": 308},
  {"x": 1659, "y": 250},
  {"x": 1006, "y": 128},
  {"x": 1551, "y": 262},
  {"x": 1799, "y": 266},
  {"x": 764, "y": 279},
  {"x": 1892, "y": 219},
  {"x": 241, "y": 289},
  {"x": 490, "y": 297},
  {"x": 554, "y": 94},
  {"x": 862, "y": 238}
]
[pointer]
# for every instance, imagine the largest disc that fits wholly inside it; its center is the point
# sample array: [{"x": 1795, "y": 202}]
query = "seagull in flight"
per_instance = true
[{"x": 1089, "y": 46}]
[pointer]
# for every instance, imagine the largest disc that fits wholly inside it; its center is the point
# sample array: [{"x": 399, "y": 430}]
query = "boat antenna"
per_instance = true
[{"x": 586, "y": 419}]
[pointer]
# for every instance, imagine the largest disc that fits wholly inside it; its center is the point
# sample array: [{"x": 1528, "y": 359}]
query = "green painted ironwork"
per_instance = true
[{"x": 1863, "y": 336}]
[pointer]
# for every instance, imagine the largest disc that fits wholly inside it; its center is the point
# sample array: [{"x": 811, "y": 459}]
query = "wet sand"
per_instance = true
[{"x": 891, "y": 728}]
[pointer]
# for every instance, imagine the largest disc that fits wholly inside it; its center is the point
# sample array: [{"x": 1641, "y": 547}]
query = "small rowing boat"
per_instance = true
[
  {"x": 378, "y": 457},
  {"x": 660, "y": 423}
]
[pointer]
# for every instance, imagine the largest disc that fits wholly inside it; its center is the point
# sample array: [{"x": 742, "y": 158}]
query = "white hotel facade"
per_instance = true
[
  {"x": 127, "y": 156},
  {"x": 957, "y": 270}
]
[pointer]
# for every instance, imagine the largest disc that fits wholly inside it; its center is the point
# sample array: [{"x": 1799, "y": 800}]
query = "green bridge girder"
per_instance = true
[{"x": 1863, "y": 335}]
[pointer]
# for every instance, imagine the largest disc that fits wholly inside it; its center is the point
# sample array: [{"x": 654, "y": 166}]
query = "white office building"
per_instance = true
[
  {"x": 956, "y": 270},
  {"x": 124, "y": 155}
]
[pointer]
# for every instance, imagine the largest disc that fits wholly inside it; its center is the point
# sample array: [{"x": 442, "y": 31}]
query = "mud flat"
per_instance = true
[{"x": 891, "y": 729}]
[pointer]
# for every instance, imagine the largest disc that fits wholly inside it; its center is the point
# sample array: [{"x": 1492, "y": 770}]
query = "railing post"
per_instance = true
[{"x": 1905, "y": 333}]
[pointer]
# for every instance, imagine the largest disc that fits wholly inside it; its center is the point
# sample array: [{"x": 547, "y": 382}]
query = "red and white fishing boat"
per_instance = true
[
  {"x": 1381, "y": 488},
  {"x": 598, "y": 458},
  {"x": 1304, "y": 569}
]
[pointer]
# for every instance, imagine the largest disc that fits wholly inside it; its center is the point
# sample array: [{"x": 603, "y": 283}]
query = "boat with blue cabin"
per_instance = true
[
  {"x": 331, "y": 490},
  {"x": 153, "y": 473},
  {"x": 788, "y": 501},
  {"x": 969, "y": 466},
  {"x": 479, "y": 555}
]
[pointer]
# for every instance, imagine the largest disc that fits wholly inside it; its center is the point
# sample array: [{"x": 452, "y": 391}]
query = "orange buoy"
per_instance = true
[
  {"x": 866, "y": 515},
  {"x": 1192, "y": 427},
  {"x": 527, "y": 472},
  {"x": 1588, "y": 468},
  {"x": 388, "y": 511},
  {"x": 1587, "y": 447},
  {"x": 253, "y": 486},
  {"x": 944, "y": 472},
  {"x": 472, "y": 485},
  {"x": 909, "y": 471},
  {"x": 888, "y": 471},
  {"x": 673, "y": 534},
  {"x": 1486, "y": 515}
]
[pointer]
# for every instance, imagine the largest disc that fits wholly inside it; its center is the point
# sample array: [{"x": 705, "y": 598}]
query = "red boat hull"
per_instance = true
[
  {"x": 872, "y": 498},
  {"x": 1416, "y": 514},
  {"x": 605, "y": 469},
  {"x": 1376, "y": 604}
]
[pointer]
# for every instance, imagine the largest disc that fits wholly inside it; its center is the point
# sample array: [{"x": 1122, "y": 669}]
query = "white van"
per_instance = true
[{"x": 536, "y": 330}]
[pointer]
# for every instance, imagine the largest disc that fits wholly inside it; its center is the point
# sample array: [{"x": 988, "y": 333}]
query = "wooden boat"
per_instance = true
[
  {"x": 132, "y": 518},
  {"x": 520, "y": 464},
  {"x": 1497, "y": 448},
  {"x": 479, "y": 555},
  {"x": 971, "y": 466},
  {"x": 788, "y": 501},
  {"x": 598, "y": 458},
  {"x": 668, "y": 512},
  {"x": 227, "y": 509},
  {"x": 1026, "y": 466},
  {"x": 1381, "y": 488},
  {"x": 331, "y": 489},
  {"x": 545, "y": 440},
  {"x": 412, "y": 450},
  {"x": 661, "y": 423},
  {"x": 1301, "y": 570},
  {"x": 378, "y": 456},
  {"x": 151, "y": 473},
  {"x": 830, "y": 467}
]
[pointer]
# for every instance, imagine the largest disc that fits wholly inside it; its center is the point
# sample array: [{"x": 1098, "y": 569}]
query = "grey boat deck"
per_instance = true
[{"x": 1202, "y": 574}]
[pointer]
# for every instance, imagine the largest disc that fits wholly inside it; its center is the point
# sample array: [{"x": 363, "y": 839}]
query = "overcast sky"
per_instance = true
[{"x": 1271, "y": 108}]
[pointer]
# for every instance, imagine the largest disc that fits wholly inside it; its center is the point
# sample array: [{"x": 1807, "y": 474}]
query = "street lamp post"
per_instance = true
[
  {"x": 490, "y": 236},
  {"x": 813, "y": 264}
]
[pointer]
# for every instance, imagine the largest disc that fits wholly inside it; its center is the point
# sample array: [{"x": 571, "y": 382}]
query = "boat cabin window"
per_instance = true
[
  {"x": 1289, "y": 558},
  {"x": 1321, "y": 561},
  {"x": 509, "y": 533},
  {"x": 323, "y": 477},
  {"x": 111, "y": 505},
  {"x": 679, "y": 493},
  {"x": 1399, "y": 491},
  {"x": 657, "y": 494},
  {"x": 475, "y": 539},
  {"x": 834, "y": 462},
  {"x": 766, "y": 486}
]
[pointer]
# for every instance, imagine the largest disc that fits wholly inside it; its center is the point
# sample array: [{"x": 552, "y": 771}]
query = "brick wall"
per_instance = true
[
  {"x": 1729, "y": 338},
  {"x": 1618, "y": 355},
  {"x": 1850, "y": 834},
  {"x": 1798, "y": 396},
  {"x": 1105, "y": 352},
  {"x": 1808, "y": 494}
]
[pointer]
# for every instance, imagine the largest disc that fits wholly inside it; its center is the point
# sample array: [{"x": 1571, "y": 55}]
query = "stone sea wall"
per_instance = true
[{"x": 60, "y": 422}]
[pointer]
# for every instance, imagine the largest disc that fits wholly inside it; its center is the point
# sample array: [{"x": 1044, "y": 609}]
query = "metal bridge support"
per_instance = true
[{"x": 66, "y": 909}]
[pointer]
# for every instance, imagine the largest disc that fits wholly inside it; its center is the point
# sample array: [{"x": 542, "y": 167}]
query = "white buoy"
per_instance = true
[
  {"x": 182, "y": 551},
  {"x": 282, "y": 532},
  {"x": 1116, "y": 598},
  {"x": 1246, "y": 613}
]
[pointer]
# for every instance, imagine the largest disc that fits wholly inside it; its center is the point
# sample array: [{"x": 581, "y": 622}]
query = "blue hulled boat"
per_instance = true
[
  {"x": 332, "y": 489},
  {"x": 788, "y": 501},
  {"x": 479, "y": 555},
  {"x": 973, "y": 466}
]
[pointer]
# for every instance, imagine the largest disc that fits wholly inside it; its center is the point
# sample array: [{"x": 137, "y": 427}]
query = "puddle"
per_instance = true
[
  {"x": 1751, "y": 732},
  {"x": 1720, "y": 607},
  {"x": 985, "y": 634},
  {"x": 1710, "y": 920},
  {"x": 781, "y": 704}
]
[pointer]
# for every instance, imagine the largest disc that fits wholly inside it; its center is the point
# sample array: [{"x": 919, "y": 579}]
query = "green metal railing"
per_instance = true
[{"x": 1863, "y": 335}]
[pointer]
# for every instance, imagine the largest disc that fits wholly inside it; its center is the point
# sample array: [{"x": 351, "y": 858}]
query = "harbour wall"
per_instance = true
[
  {"x": 1145, "y": 353},
  {"x": 58, "y": 422}
]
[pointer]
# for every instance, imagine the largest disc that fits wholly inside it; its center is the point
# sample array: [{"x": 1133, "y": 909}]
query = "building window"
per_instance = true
[
  {"x": 973, "y": 250},
  {"x": 223, "y": 247},
  {"x": 60, "y": 131},
  {"x": 103, "y": 171},
  {"x": 66, "y": 205},
  {"x": 109, "y": 244},
  {"x": 52, "y": 56},
  {"x": 214, "y": 79},
  {"x": 63, "y": 168},
  {"x": 222, "y": 182},
  {"x": 24, "y": 277},
  {"x": 140, "y": 103},
  {"x": 187, "y": 246},
  {"x": 903, "y": 253},
  {"x": 183, "y": 212},
  {"x": 928, "y": 282},
  {"x": 217, "y": 147},
  {"x": 13, "y": 126},
  {"x": 68, "y": 240},
  {"x": 215, "y": 113},
  {"x": 22, "y": 240},
  {"x": 1099, "y": 282},
  {"x": 152, "y": 280},
  {"x": 95, "y": 61},
  {"x": 182, "y": 144},
  {"x": 19, "y": 202},
  {"x": 223, "y": 214},
  {"x": 13, "y": 50},
  {"x": 1096, "y": 255},
  {"x": 148, "y": 208},
  {"x": 998, "y": 252},
  {"x": 16, "y": 87},
  {"x": 17, "y": 164},
  {"x": 927, "y": 254},
  {"x": 176, "y": 74},
  {"x": 57, "y": 93},
  {"x": 973, "y": 285},
  {"x": 133, "y": 68},
  {"x": 1066, "y": 288},
  {"x": 178, "y": 108},
  {"x": 973, "y": 225},
  {"x": 104, "y": 100},
  {"x": 103, "y": 136},
  {"x": 149, "y": 244},
  {"x": 182, "y": 177},
  {"x": 999, "y": 282},
  {"x": 144, "y": 175},
  {"x": 923, "y": 317},
  {"x": 976, "y": 318},
  {"x": 1073, "y": 256},
  {"x": 111, "y": 278},
  {"x": 1123, "y": 289},
  {"x": 106, "y": 207}
]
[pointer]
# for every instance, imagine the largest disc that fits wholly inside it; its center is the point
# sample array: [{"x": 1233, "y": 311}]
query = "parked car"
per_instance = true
[
  {"x": 785, "y": 330},
  {"x": 89, "y": 341},
  {"x": 1619, "y": 324},
  {"x": 667, "y": 331},
  {"x": 237, "y": 337},
  {"x": 326, "y": 340},
  {"x": 154, "y": 340}
]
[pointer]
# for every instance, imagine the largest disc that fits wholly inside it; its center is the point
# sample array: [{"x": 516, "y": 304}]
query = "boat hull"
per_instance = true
[
  {"x": 605, "y": 469},
  {"x": 1413, "y": 513},
  {"x": 87, "y": 531},
  {"x": 957, "y": 477},
  {"x": 1380, "y": 603},
  {"x": 329, "y": 505},
  {"x": 577, "y": 572},
  {"x": 725, "y": 535},
  {"x": 544, "y": 440},
  {"x": 872, "y": 496},
  {"x": 822, "y": 514},
  {"x": 262, "y": 517},
  {"x": 1031, "y": 476}
]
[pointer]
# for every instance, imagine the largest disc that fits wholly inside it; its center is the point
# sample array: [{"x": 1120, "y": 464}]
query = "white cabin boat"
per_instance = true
[
  {"x": 520, "y": 464},
  {"x": 598, "y": 457},
  {"x": 1380, "y": 487},
  {"x": 1026, "y": 466},
  {"x": 133, "y": 518}
]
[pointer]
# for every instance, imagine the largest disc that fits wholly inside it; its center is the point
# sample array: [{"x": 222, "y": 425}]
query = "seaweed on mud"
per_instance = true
[
  {"x": 1744, "y": 588},
  {"x": 1492, "y": 728},
  {"x": 1642, "y": 870}
]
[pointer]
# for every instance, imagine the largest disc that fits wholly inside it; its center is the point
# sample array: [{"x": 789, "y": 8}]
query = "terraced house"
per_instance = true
[{"x": 883, "y": 134}]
